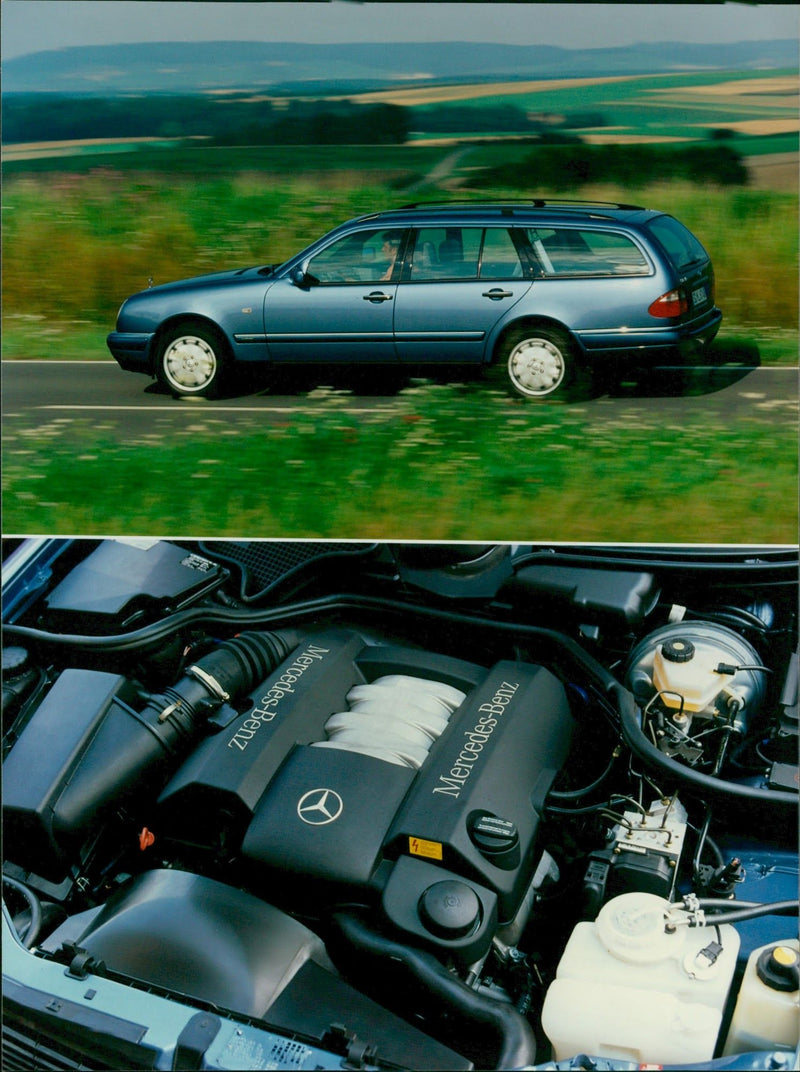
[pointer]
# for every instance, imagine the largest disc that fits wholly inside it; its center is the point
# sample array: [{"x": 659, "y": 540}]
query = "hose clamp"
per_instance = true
[{"x": 210, "y": 683}]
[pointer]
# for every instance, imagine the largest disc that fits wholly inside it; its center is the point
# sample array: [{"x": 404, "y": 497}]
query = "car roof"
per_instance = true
[{"x": 524, "y": 212}]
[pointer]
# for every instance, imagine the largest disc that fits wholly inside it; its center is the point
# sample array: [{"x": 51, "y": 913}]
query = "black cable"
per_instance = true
[
  {"x": 749, "y": 910},
  {"x": 704, "y": 840},
  {"x": 588, "y": 809},
  {"x": 723, "y": 902},
  {"x": 562, "y": 651},
  {"x": 29, "y": 935},
  {"x": 577, "y": 794}
]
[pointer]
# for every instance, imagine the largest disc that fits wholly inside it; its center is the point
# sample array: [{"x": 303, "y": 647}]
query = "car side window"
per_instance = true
[
  {"x": 446, "y": 253},
  {"x": 361, "y": 257},
  {"x": 572, "y": 251},
  {"x": 499, "y": 258}
]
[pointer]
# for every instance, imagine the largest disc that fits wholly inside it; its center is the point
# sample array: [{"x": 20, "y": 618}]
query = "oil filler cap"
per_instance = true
[
  {"x": 449, "y": 909},
  {"x": 778, "y": 968},
  {"x": 496, "y": 839},
  {"x": 678, "y": 650}
]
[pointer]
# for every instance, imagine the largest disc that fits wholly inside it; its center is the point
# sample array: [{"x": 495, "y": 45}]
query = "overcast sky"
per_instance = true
[{"x": 34, "y": 25}]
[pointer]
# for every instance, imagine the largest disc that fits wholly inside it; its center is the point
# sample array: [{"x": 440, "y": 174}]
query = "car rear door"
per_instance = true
[{"x": 456, "y": 285}]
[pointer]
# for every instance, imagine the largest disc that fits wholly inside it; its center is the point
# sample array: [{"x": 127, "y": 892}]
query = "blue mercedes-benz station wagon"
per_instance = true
[{"x": 540, "y": 291}]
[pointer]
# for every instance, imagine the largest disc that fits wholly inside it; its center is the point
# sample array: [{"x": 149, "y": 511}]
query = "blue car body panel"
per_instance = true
[
  {"x": 453, "y": 321},
  {"x": 346, "y": 322}
]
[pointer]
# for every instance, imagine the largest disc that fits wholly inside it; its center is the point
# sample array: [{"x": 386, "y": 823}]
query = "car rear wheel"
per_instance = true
[
  {"x": 191, "y": 361},
  {"x": 541, "y": 363}
]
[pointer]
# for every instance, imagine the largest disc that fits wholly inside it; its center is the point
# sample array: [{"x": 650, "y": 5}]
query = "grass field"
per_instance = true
[{"x": 444, "y": 462}]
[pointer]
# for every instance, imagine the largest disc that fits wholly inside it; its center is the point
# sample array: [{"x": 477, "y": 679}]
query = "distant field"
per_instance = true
[
  {"x": 363, "y": 163},
  {"x": 653, "y": 106},
  {"x": 413, "y": 97},
  {"x": 397, "y": 165},
  {"x": 634, "y": 108}
]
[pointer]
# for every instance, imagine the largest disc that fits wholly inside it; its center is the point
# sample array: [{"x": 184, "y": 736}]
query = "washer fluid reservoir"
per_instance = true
[{"x": 627, "y": 989}]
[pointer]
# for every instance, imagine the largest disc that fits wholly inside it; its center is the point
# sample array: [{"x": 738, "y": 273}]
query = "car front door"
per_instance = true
[
  {"x": 341, "y": 307},
  {"x": 457, "y": 283}
]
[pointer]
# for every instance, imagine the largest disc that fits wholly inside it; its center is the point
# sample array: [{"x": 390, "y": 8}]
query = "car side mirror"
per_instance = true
[{"x": 300, "y": 276}]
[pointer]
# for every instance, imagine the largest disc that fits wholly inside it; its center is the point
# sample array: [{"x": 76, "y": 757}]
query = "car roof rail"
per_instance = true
[{"x": 512, "y": 203}]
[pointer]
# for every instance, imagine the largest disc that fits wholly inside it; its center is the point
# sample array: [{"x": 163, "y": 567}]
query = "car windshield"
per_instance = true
[{"x": 683, "y": 248}]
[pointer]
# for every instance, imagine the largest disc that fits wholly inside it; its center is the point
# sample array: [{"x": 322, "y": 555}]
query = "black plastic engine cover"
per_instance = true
[
  {"x": 195, "y": 936},
  {"x": 319, "y": 823},
  {"x": 498, "y": 758},
  {"x": 229, "y": 772},
  {"x": 326, "y": 815}
]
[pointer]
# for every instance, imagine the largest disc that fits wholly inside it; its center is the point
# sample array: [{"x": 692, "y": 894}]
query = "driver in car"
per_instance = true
[{"x": 389, "y": 250}]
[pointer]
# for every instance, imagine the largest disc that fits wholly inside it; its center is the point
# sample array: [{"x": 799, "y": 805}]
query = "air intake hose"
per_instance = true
[
  {"x": 102, "y": 744},
  {"x": 231, "y": 669}
]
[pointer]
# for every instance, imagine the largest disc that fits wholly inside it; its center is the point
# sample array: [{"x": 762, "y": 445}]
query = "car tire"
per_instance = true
[
  {"x": 540, "y": 363},
  {"x": 191, "y": 361}
]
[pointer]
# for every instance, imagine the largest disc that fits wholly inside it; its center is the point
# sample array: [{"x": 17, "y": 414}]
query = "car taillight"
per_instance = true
[{"x": 673, "y": 303}]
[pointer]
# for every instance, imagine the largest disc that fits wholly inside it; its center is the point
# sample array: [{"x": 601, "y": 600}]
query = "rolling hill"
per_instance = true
[{"x": 197, "y": 67}]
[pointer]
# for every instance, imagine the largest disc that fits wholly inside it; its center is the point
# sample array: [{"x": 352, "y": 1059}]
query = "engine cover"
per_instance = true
[{"x": 439, "y": 763}]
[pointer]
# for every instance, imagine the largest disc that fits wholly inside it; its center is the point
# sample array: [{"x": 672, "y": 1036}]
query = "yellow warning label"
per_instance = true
[{"x": 420, "y": 847}]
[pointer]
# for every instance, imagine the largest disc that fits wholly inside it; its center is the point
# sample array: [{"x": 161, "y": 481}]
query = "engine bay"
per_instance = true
[{"x": 475, "y": 806}]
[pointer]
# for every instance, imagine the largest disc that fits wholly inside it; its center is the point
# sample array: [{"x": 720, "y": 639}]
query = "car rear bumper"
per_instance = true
[
  {"x": 131, "y": 350},
  {"x": 686, "y": 338}
]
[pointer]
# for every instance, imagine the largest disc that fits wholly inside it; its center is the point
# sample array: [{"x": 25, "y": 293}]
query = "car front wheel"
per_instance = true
[
  {"x": 190, "y": 362},
  {"x": 541, "y": 363}
]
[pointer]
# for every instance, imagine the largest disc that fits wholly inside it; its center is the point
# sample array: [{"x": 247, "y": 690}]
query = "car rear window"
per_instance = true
[
  {"x": 574, "y": 251},
  {"x": 680, "y": 244}
]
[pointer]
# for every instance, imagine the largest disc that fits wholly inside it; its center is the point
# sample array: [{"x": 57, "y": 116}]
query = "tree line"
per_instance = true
[
  {"x": 29, "y": 117},
  {"x": 565, "y": 167},
  {"x": 233, "y": 120}
]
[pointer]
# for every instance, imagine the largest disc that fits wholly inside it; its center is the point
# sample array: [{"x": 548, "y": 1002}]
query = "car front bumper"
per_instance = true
[{"x": 131, "y": 350}]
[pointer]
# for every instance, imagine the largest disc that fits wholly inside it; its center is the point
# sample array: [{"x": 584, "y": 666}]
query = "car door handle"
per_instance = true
[
  {"x": 377, "y": 296},
  {"x": 496, "y": 294}
]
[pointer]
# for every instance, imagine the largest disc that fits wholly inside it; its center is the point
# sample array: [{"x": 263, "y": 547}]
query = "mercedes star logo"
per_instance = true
[{"x": 320, "y": 806}]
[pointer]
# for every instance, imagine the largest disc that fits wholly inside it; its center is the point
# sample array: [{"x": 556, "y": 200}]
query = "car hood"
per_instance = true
[{"x": 213, "y": 279}]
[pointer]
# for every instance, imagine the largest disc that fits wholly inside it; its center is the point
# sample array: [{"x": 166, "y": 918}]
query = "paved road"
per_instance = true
[{"x": 40, "y": 393}]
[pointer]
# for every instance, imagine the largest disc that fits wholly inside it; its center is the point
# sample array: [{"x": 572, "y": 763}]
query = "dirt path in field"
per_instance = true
[{"x": 442, "y": 170}]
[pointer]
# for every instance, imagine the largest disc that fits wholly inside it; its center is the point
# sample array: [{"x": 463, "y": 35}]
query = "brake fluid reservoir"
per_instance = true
[
  {"x": 690, "y": 664},
  {"x": 686, "y": 677},
  {"x": 627, "y": 989},
  {"x": 767, "y": 1013}
]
